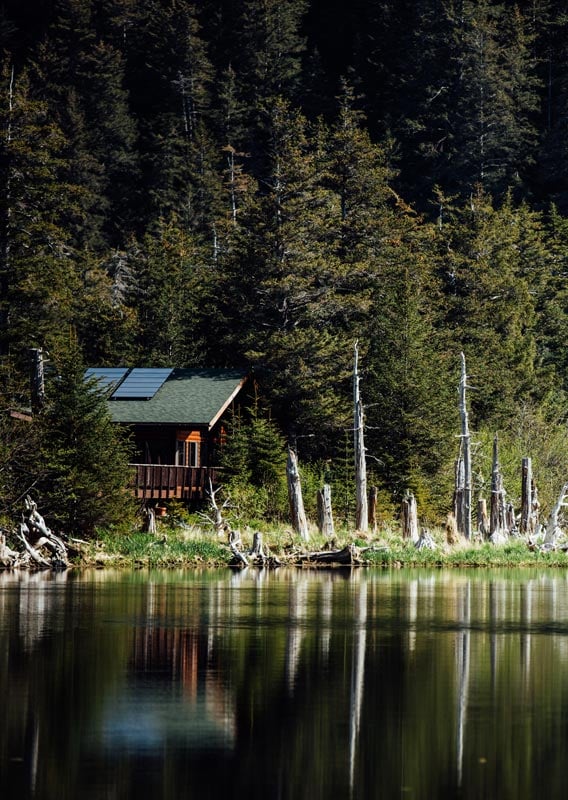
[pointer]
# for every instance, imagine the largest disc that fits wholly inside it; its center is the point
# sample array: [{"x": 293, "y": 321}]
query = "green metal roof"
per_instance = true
[{"x": 188, "y": 397}]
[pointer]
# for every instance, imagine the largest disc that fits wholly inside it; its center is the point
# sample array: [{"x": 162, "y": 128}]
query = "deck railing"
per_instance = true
[{"x": 168, "y": 481}]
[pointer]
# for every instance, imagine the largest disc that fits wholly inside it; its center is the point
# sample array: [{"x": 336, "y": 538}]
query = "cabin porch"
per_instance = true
[{"x": 169, "y": 481}]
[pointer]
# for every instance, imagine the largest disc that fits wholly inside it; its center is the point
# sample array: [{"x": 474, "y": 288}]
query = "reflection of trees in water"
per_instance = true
[{"x": 292, "y": 683}]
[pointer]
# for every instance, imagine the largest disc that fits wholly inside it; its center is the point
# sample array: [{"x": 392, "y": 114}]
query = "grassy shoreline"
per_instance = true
[{"x": 172, "y": 547}]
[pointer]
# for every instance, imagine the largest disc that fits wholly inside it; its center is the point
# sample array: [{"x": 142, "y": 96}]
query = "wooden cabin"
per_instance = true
[{"x": 176, "y": 417}]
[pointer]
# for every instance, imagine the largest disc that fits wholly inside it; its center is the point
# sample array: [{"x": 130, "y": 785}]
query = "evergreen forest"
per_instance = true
[{"x": 261, "y": 183}]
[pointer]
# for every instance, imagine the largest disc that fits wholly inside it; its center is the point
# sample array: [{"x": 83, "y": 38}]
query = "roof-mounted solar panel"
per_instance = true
[
  {"x": 141, "y": 384},
  {"x": 107, "y": 377}
]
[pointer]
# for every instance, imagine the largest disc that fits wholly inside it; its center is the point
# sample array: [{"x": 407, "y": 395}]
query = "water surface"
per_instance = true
[{"x": 284, "y": 684}]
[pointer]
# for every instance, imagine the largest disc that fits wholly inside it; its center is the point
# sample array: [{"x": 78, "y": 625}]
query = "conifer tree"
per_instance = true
[
  {"x": 169, "y": 291},
  {"x": 488, "y": 308},
  {"x": 38, "y": 279},
  {"x": 84, "y": 454},
  {"x": 289, "y": 313}
]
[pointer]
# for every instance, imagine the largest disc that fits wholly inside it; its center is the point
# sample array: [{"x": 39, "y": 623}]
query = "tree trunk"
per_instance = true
[
  {"x": 373, "y": 508},
  {"x": 482, "y": 518},
  {"x": 497, "y": 521},
  {"x": 348, "y": 556},
  {"x": 361, "y": 511},
  {"x": 299, "y": 521},
  {"x": 526, "y": 496},
  {"x": 466, "y": 450},
  {"x": 325, "y": 514},
  {"x": 553, "y": 527},
  {"x": 534, "y": 520},
  {"x": 409, "y": 518},
  {"x": 452, "y": 535},
  {"x": 37, "y": 380},
  {"x": 459, "y": 493}
]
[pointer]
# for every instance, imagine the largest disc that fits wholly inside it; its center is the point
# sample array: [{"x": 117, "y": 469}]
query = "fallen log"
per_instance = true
[{"x": 347, "y": 556}]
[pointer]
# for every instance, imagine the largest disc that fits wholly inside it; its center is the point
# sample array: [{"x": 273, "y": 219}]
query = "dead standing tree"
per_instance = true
[
  {"x": 325, "y": 512},
  {"x": 463, "y": 470},
  {"x": 409, "y": 517},
  {"x": 361, "y": 508},
  {"x": 530, "y": 505},
  {"x": 498, "y": 529},
  {"x": 553, "y": 529},
  {"x": 299, "y": 521}
]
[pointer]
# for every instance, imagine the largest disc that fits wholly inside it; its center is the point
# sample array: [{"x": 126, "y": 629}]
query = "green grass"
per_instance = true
[
  {"x": 166, "y": 549},
  {"x": 195, "y": 546}
]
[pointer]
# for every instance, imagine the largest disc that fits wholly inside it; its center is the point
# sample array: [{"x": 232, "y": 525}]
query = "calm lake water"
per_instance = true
[{"x": 285, "y": 684}]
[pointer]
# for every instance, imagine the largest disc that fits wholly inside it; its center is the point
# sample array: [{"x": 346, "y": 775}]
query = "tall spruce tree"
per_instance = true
[
  {"x": 283, "y": 275},
  {"x": 38, "y": 279},
  {"x": 488, "y": 306},
  {"x": 83, "y": 453}
]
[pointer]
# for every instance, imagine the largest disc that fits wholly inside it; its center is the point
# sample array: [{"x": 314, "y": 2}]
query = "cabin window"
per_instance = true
[{"x": 187, "y": 454}]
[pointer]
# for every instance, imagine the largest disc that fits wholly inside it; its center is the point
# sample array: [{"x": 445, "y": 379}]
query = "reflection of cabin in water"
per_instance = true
[{"x": 176, "y": 418}]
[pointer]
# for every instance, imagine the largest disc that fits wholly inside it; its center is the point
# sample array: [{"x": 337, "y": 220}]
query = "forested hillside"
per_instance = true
[{"x": 260, "y": 183}]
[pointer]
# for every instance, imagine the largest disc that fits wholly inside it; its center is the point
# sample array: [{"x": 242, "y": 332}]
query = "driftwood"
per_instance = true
[
  {"x": 8, "y": 557},
  {"x": 425, "y": 541},
  {"x": 234, "y": 544},
  {"x": 216, "y": 519},
  {"x": 553, "y": 530},
  {"x": 347, "y": 556},
  {"x": 42, "y": 549},
  {"x": 257, "y": 556}
]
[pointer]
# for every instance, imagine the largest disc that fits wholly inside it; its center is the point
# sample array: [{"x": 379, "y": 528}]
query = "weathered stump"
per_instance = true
[
  {"x": 299, "y": 520},
  {"x": 409, "y": 517},
  {"x": 325, "y": 513}
]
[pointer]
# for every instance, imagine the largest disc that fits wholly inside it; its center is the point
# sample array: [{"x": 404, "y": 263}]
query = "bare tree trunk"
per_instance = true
[
  {"x": 256, "y": 551},
  {"x": 466, "y": 445},
  {"x": 497, "y": 522},
  {"x": 452, "y": 535},
  {"x": 325, "y": 513},
  {"x": 459, "y": 493},
  {"x": 409, "y": 517},
  {"x": 299, "y": 521},
  {"x": 534, "y": 521},
  {"x": 361, "y": 511},
  {"x": 553, "y": 527},
  {"x": 149, "y": 520},
  {"x": 482, "y": 518},
  {"x": 373, "y": 508},
  {"x": 526, "y": 495},
  {"x": 37, "y": 379}
]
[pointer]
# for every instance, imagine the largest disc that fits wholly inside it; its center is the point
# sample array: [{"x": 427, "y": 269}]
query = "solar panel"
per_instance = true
[
  {"x": 107, "y": 377},
  {"x": 141, "y": 384}
]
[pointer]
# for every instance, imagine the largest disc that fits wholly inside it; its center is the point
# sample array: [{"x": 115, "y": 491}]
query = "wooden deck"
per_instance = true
[{"x": 167, "y": 481}]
